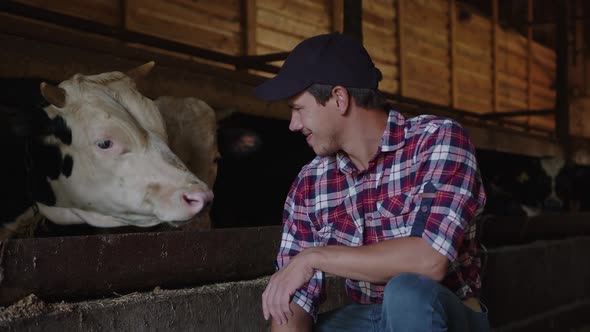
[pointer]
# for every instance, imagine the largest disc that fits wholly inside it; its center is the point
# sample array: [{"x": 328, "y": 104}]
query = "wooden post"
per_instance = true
[
  {"x": 248, "y": 27},
  {"x": 337, "y": 14},
  {"x": 562, "y": 125},
  {"x": 400, "y": 48},
  {"x": 453, "y": 51},
  {"x": 495, "y": 55},
  {"x": 353, "y": 19},
  {"x": 529, "y": 65},
  {"x": 123, "y": 6}
]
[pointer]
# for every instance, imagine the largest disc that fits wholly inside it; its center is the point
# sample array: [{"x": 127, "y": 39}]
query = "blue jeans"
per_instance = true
[{"x": 410, "y": 303}]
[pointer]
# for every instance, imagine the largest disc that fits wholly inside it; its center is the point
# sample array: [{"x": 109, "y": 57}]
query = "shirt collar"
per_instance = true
[{"x": 394, "y": 138}]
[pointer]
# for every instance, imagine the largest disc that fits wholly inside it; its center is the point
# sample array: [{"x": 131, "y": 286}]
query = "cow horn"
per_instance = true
[
  {"x": 55, "y": 95},
  {"x": 140, "y": 72}
]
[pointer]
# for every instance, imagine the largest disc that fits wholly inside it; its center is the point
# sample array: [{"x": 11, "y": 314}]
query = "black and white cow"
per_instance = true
[
  {"x": 518, "y": 185},
  {"x": 94, "y": 150}
]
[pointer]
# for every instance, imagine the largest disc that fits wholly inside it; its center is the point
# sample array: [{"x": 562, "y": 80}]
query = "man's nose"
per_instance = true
[{"x": 295, "y": 124}]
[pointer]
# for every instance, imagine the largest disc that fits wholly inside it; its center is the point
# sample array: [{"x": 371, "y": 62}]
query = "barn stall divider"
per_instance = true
[{"x": 212, "y": 280}]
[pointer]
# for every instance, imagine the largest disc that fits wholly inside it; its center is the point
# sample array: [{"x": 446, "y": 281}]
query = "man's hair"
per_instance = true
[{"x": 367, "y": 98}]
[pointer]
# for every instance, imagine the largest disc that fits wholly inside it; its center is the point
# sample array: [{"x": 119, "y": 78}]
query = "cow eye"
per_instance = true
[{"x": 104, "y": 144}]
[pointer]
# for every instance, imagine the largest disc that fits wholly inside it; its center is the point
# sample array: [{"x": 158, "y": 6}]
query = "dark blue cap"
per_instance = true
[{"x": 330, "y": 59}]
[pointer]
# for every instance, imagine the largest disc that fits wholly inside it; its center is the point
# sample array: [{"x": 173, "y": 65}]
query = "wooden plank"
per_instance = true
[
  {"x": 183, "y": 15},
  {"x": 382, "y": 48},
  {"x": 384, "y": 52},
  {"x": 477, "y": 105},
  {"x": 470, "y": 82},
  {"x": 425, "y": 5},
  {"x": 385, "y": 25},
  {"x": 426, "y": 91},
  {"x": 103, "y": 11},
  {"x": 429, "y": 50},
  {"x": 481, "y": 68},
  {"x": 529, "y": 67},
  {"x": 388, "y": 70},
  {"x": 382, "y": 9},
  {"x": 389, "y": 85},
  {"x": 178, "y": 24},
  {"x": 124, "y": 263},
  {"x": 401, "y": 44},
  {"x": 542, "y": 76},
  {"x": 512, "y": 42},
  {"x": 427, "y": 19},
  {"x": 248, "y": 27},
  {"x": 224, "y": 9},
  {"x": 479, "y": 96},
  {"x": 544, "y": 56},
  {"x": 275, "y": 39},
  {"x": 513, "y": 64},
  {"x": 511, "y": 100},
  {"x": 546, "y": 122},
  {"x": 286, "y": 25},
  {"x": 471, "y": 33},
  {"x": 474, "y": 54},
  {"x": 436, "y": 38},
  {"x": 543, "y": 93},
  {"x": 318, "y": 14},
  {"x": 440, "y": 66}
]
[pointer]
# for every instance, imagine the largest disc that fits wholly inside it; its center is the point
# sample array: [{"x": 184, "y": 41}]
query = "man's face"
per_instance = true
[{"x": 318, "y": 123}]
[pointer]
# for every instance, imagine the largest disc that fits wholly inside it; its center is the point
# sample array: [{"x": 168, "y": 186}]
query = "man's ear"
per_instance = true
[{"x": 341, "y": 98}]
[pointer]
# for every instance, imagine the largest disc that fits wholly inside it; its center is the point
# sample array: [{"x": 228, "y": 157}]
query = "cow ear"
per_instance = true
[
  {"x": 140, "y": 72},
  {"x": 56, "y": 96}
]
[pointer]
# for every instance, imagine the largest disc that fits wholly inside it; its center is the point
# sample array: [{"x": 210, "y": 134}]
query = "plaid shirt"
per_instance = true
[{"x": 423, "y": 182}]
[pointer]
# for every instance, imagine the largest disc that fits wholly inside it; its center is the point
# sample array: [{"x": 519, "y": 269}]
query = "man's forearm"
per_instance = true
[
  {"x": 380, "y": 262},
  {"x": 300, "y": 321}
]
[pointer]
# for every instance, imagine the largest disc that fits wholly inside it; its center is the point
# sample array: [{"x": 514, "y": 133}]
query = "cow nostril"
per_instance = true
[
  {"x": 198, "y": 199},
  {"x": 192, "y": 199}
]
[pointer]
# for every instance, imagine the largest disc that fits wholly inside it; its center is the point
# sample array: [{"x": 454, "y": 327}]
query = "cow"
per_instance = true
[
  {"x": 93, "y": 150},
  {"x": 519, "y": 185}
]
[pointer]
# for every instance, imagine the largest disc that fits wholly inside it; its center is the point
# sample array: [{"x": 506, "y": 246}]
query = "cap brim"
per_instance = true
[{"x": 280, "y": 87}]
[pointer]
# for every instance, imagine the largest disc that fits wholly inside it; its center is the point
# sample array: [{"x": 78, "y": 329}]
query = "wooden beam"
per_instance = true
[
  {"x": 353, "y": 19},
  {"x": 453, "y": 50},
  {"x": 562, "y": 84},
  {"x": 495, "y": 81},
  {"x": 123, "y": 5},
  {"x": 51, "y": 268},
  {"x": 338, "y": 15},
  {"x": 529, "y": 66},
  {"x": 400, "y": 47},
  {"x": 248, "y": 27}
]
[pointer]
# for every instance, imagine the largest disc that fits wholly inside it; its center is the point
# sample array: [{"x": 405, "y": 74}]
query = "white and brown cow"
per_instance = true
[{"x": 98, "y": 153}]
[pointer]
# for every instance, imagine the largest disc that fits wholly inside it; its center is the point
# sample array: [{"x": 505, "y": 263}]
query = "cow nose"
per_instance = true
[{"x": 197, "y": 200}]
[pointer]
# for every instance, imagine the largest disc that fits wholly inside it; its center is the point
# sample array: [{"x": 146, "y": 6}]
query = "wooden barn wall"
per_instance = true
[{"x": 437, "y": 51}]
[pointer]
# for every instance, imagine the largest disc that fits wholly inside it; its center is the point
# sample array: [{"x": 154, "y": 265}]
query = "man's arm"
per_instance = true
[
  {"x": 299, "y": 322},
  {"x": 379, "y": 262}
]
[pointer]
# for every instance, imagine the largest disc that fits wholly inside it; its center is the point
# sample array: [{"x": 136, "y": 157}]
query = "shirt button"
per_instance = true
[{"x": 424, "y": 209}]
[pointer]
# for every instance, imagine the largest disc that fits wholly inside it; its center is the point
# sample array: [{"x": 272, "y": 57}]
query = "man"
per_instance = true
[{"x": 388, "y": 203}]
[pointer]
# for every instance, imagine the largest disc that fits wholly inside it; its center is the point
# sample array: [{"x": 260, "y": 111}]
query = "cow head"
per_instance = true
[{"x": 116, "y": 167}]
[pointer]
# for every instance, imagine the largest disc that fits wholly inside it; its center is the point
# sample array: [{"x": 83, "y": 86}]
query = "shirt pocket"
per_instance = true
[
  {"x": 335, "y": 225},
  {"x": 394, "y": 206},
  {"x": 392, "y": 214}
]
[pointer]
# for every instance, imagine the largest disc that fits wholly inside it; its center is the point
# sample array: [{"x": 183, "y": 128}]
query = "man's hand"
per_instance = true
[{"x": 283, "y": 284}]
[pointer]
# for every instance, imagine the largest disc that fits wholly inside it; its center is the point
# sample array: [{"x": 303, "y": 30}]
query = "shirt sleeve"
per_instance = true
[
  {"x": 450, "y": 191},
  {"x": 297, "y": 236}
]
